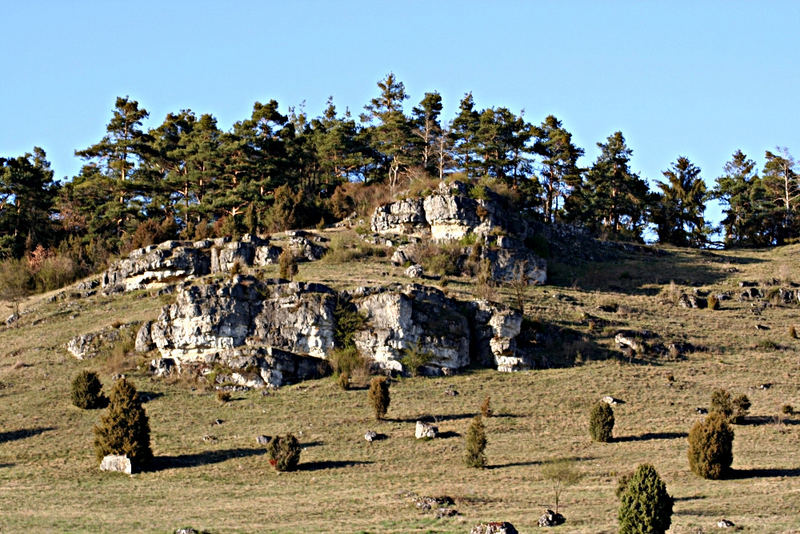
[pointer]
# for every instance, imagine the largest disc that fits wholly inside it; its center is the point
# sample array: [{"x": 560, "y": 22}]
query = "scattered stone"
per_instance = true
[
  {"x": 612, "y": 401},
  {"x": 425, "y": 430},
  {"x": 551, "y": 519},
  {"x": 218, "y": 421},
  {"x": 262, "y": 440},
  {"x": 761, "y": 327},
  {"x": 630, "y": 340},
  {"x": 430, "y": 503},
  {"x": 414, "y": 271},
  {"x": 724, "y": 523},
  {"x": 87, "y": 285},
  {"x": 370, "y": 435},
  {"x": 186, "y": 530},
  {"x": 745, "y": 283},
  {"x": 494, "y": 528},
  {"x": 209, "y": 438},
  {"x": 692, "y": 301},
  {"x": 89, "y": 345},
  {"x": 450, "y": 392},
  {"x": 399, "y": 257},
  {"x": 12, "y": 319},
  {"x": 701, "y": 411},
  {"x": 766, "y": 385},
  {"x": 441, "y": 513},
  {"x": 116, "y": 463}
]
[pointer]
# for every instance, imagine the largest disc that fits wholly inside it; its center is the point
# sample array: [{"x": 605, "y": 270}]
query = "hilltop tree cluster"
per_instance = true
[{"x": 275, "y": 170}]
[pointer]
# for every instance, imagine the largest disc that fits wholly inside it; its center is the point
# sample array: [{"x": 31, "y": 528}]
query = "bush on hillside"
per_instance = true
[
  {"x": 711, "y": 447},
  {"x": 645, "y": 505},
  {"x": 284, "y": 452},
  {"x": 475, "y": 443},
  {"x": 721, "y": 402},
  {"x": 486, "y": 407},
  {"x": 287, "y": 264},
  {"x": 601, "y": 422},
  {"x": 741, "y": 406},
  {"x": 87, "y": 391},
  {"x": 378, "y": 396},
  {"x": 124, "y": 429}
]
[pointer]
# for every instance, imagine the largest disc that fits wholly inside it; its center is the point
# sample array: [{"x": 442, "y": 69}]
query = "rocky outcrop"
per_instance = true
[
  {"x": 494, "y": 527},
  {"x": 494, "y": 337},
  {"x": 91, "y": 344},
  {"x": 451, "y": 213},
  {"x": 159, "y": 265}
]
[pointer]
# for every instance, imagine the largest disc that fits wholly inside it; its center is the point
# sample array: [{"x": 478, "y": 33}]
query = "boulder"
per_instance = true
[
  {"x": 630, "y": 340},
  {"x": 724, "y": 523},
  {"x": 11, "y": 319},
  {"x": 224, "y": 258},
  {"x": 155, "y": 266},
  {"x": 370, "y": 435},
  {"x": 425, "y": 430},
  {"x": 263, "y": 440},
  {"x": 267, "y": 255},
  {"x": 612, "y": 401},
  {"x": 86, "y": 346},
  {"x": 116, "y": 463},
  {"x": 494, "y": 528},
  {"x": 551, "y": 519},
  {"x": 415, "y": 271},
  {"x": 305, "y": 249}
]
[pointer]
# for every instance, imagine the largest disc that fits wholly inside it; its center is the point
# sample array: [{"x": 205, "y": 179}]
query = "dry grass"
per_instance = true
[{"x": 50, "y": 481}]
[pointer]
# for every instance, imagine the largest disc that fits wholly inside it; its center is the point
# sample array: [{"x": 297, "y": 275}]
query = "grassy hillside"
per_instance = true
[{"x": 216, "y": 477}]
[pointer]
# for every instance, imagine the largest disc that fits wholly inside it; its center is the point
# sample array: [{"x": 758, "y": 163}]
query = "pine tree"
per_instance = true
[
  {"x": 782, "y": 182},
  {"x": 560, "y": 163},
  {"x": 124, "y": 429},
  {"x": 742, "y": 190},
  {"x": 678, "y": 209},
  {"x": 645, "y": 507},
  {"x": 711, "y": 447},
  {"x": 87, "y": 391},
  {"x": 601, "y": 422},
  {"x": 378, "y": 396}
]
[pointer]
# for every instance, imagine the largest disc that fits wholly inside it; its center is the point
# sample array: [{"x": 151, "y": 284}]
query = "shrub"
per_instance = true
[
  {"x": 486, "y": 407},
  {"x": 344, "y": 362},
  {"x": 414, "y": 358},
  {"x": 622, "y": 484},
  {"x": 601, "y": 422},
  {"x": 721, "y": 402},
  {"x": 741, "y": 405},
  {"x": 223, "y": 396},
  {"x": 793, "y": 332},
  {"x": 343, "y": 380},
  {"x": 787, "y": 409},
  {"x": 476, "y": 443},
  {"x": 561, "y": 473},
  {"x": 287, "y": 264},
  {"x": 645, "y": 505},
  {"x": 378, "y": 396},
  {"x": 713, "y": 302},
  {"x": 87, "y": 391},
  {"x": 284, "y": 452},
  {"x": 348, "y": 321},
  {"x": 15, "y": 282},
  {"x": 711, "y": 447},
  {"x": 124, "y": 429}
]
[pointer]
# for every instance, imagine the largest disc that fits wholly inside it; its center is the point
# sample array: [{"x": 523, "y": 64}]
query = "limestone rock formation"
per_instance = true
[
  {"x": 494, "y": 527},
  {"x": 425, "y": 430},
  {"x": 116, "y": 463},
  {"x": 156, "y": 266}
]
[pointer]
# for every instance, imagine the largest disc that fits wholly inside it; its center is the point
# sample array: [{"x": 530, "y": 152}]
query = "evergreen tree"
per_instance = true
[
  {"x": 464, "y": 136},
  {"x": 475, "y": 443},
  {"x": 645, "y": 506},
  {"x": 678, "y": 210},
  {"x": 560, "y": 169},
  {"x": 27, "y": 195},
  {"x": 711, "y": 446},
  {"x": 427, "y": 127},
  {"x": 613, "y": 199},
  {"x": 391, "y": 134},
  {"x": 741, "y": 189},
  {"x": 124, "y": 429}
]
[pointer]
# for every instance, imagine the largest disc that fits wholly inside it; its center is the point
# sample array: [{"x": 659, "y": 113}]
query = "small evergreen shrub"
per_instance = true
[
  {"x": 87, "y": 391},
  {"x": 343, "y": 380},
  {"x": 475, "y": 443},
  {"x": 601, "y": 422},
  {"x": 713, "y": 302},
  {"x": 721, "y": 402},
  {"x": 287, "y": 264},
  {"x": 378, "y": 396},
  {"x": 711, "y": 447},
  {"x": 793, "y": 332},
  {"x": 284, "y": 452},
  {"x": 787, "y": 409},
  {"x": 741, "y": 405},
  {"x": 124, "y": 429},
  {"x": 645, "y": 505},
  {"x": 223, "y": 396},
  {"x": 486, "y": 407},
  {"x": 414, "y": 358},
  {"x": 622, "y": 484}
]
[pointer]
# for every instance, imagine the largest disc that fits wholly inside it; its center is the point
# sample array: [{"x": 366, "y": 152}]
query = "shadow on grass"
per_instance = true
[
  {"x": 448, "y": 434},
  {"x": 161, "y": 463},
  {"x": 430, "y": 419},
  {"x": 738, "y": 474},
  {"x": 759, "y": 420},
  {"x": 514, "y": 464},
  {"x": 652, "y": 435},
  {"x": 329, "y": 464},
  {"x": 315, "y": 443},
  {"x": 14, "y": 435},
  {"x": 690, "y": 498},
  {"x": 147, "y": 396}
]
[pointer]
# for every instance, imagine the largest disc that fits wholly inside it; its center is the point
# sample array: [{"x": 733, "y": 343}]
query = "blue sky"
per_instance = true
[{"x": 699, "y": 79}]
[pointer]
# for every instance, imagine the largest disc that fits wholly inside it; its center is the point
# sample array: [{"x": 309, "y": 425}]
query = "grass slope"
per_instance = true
[{"x": 49, "y": 479}]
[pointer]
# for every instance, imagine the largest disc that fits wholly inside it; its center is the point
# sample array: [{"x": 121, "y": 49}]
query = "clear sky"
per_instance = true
[{"x": 699, "y": 79}]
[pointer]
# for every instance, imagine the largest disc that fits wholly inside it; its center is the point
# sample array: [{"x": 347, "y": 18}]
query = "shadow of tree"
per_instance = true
[
  {"x": 448, "y": 434},
  {"x": 759, "y": 420},
  {"x": 14, "y": 435},
  {"x": 514, "y": 464},
  {"x": 737, "y": 474},
  {"x": 652, "y": 435},
  {"x": 329, "y": 464},
  {"x": 161, "y": 463}
]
